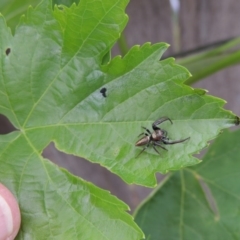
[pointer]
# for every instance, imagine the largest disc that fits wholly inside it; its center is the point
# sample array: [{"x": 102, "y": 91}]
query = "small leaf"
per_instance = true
[
  {"x": 13, "y": 9},
  {"x": 201, "y": 202}
]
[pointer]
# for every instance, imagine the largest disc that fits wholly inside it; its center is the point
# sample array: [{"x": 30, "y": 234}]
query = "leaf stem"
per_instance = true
[{"x": 208, "y": 62}]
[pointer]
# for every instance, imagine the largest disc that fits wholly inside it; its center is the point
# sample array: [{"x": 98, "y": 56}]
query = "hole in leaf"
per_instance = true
[
  {"x": 5, "y": 125},
  {"x": 237, "y": 120},
  {"x": 98, "y": 175},
  {"x": 103, "y": 92},
  {"x": 8, "y": 50}
]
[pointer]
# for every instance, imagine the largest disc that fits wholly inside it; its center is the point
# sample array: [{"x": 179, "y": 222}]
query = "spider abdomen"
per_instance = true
[{"x": 143, "y": 141}]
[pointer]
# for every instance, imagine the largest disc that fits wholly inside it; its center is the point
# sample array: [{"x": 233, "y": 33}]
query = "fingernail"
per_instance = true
[
  {"x": 10, "y": 217},
  {"x": 6, "y": 219}
]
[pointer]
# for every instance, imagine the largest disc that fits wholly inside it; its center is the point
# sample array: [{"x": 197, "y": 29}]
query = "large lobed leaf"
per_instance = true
[
  {"x": 54, "y": 204},
  {"x": 200, "y": 202},
  {"x": 61, "y": 78},
  {"x": 13, "y": 9},
  {"x": 50, "y": 81}
]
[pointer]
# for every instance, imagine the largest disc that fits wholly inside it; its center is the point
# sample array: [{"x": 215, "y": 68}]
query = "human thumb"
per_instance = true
[{"x": 9, "y": 215}]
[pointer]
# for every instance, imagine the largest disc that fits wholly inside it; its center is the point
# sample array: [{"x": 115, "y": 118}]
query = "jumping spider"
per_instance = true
[{"x": 157, "y": 137}]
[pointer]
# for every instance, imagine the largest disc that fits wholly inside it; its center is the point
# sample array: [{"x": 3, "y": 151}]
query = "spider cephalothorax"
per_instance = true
[{"x": 157, "y": 137}]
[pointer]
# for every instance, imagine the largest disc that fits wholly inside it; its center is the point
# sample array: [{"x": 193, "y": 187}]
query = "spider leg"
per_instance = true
[
  {"x": 164, "y": 133},
  {"x": 142, "y": 134},
  {"x": 156, "y": 149},
  {"x": 143, "y": 149},
  {"x": 159, "y": 145},
  {"x": 166, "y": 140},
  {"x": 159, "y": 121},
  {"x": 147, "y": 130}
]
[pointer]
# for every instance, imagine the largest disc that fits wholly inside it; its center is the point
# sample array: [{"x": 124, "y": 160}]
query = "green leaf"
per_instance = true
[
  {"x": 51, "y": 76},
  {"x": 62, "y": 92},
  {"x": 200, "y": 202},
  {"x": 13, "y": 9},
  {"x": 54, "y": 204}
]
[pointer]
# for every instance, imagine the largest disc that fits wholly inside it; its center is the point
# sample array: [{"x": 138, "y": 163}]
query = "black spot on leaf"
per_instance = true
[
  {"x": 103, "y": 92},
  {"x": 8, "y": 50}
]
